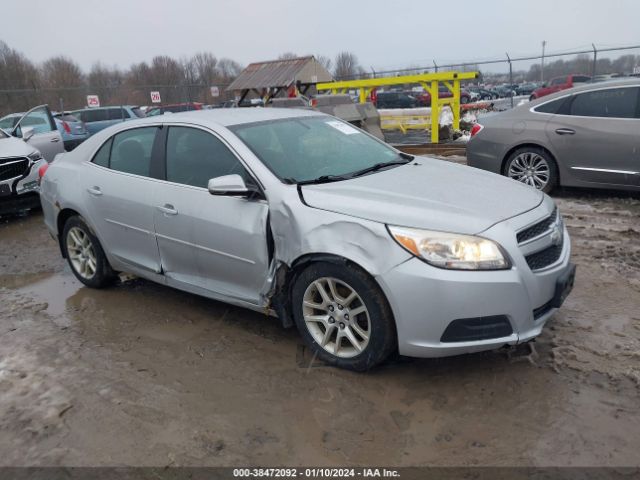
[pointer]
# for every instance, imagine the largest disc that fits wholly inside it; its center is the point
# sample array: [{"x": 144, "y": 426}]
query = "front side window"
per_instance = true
[
  {"x": 306, "y": 148},
  {"x": 131, "y": 151},
  {"x": 195, "y": 156},
  {"x": 610, "y": 102},
  {"x": 559, "y": 81}
]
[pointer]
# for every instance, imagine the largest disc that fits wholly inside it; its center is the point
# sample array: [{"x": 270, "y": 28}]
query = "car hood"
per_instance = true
[
  {"x": 427, "y": 193},
  {"x": 14, "y": 147}
]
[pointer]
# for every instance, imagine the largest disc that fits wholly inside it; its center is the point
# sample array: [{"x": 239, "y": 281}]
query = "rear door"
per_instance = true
[
  {"x": 597, "y": 136},
  {"x": 212, "y": 242},
  {"x": 119, "y": 194},
  {"x": 46, "y": 136}
]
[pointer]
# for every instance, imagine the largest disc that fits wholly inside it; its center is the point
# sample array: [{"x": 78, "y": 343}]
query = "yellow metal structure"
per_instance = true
[{"x": 429, "y": 81}]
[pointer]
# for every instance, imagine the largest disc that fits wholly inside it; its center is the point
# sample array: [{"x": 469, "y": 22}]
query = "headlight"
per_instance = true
[
  {"x": 450, "y": 250},
  {"x": 35, "y": 156}
]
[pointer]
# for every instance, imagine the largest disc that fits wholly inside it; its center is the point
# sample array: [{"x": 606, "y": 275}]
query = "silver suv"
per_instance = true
[{"x": 365, "y": 249}]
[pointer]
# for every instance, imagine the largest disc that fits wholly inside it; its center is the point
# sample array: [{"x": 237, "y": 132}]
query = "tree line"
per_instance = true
[{"x": 61, "y": 82}]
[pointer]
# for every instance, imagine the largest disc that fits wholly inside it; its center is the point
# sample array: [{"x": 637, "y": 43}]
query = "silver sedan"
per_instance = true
[
  {"x": 584, "y": 137},
  {"x": 365, "y": 249}
]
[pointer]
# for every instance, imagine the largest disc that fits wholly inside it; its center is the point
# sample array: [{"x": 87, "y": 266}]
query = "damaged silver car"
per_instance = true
[{"x": 365, "y": 249}]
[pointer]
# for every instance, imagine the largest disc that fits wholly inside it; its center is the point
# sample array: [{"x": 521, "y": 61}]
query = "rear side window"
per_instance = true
[
  {"x": 89, "y": 116},
  {"x": 131, "y": 151},
  {"x": 555, "y": 106},
  {"x": 610, "y": 102},
  {"x": 581, "y": 79},
  {"x": 102, "y": 156},
  {"x": 117, "y": 114},
  {"x": 195, "y": 156},
  {"x": 137, "y": 112}
]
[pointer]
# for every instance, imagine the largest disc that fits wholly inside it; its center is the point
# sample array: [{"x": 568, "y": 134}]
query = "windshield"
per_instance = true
[{"x": 303, "y": 149}]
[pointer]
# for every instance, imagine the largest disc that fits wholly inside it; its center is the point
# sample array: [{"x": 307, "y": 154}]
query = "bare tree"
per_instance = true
[
  {"x": 324, "y": 61},
  {"x": 62, "y": 78},
  {"x": 229, "y": 69},
  {"x": 346, "y": 66},
  {"x": 287, "y": 56}
]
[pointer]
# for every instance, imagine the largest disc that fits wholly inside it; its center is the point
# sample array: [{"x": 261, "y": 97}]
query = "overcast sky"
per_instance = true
[{"x": 383, "y": 34}]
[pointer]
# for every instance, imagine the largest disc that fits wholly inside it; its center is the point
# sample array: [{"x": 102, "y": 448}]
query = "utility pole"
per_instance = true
[{"x": 544, "y": 44}]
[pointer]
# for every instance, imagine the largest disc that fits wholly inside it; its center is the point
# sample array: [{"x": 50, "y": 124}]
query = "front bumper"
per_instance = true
[
  {"x": 426, "y": 300},
  {"x": 22, "y": 193}
]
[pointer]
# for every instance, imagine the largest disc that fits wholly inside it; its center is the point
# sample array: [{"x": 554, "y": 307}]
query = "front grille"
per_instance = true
[
  {"x": 13, "y": 167},
  {"x": 478, "y": 328},
  {"x": 544, "y": 258},
  {"x": 538, "y": 229}
]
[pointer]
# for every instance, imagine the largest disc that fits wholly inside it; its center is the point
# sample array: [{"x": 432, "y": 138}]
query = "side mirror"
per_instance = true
[
  {"x": 229, "y": 185},
  {"x": 27, "y": 133}
]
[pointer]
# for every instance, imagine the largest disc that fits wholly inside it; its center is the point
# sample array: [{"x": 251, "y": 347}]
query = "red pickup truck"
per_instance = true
[{"x": 559, "y": 83}]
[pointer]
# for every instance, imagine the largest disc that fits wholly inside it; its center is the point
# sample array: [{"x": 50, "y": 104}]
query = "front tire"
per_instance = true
[
  {"x": 533, "y": 166},
  {"x": 85, "y": 254},
  {"x": 343, "y": 316}
]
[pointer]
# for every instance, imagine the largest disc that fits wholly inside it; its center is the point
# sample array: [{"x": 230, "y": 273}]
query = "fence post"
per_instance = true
[
  {"x": 595, "y": 60},
  {"x": 510, "y": 79},
  {"x": 435, "y": 65}
]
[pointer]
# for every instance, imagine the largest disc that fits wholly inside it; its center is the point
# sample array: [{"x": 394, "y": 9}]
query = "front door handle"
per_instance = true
[
  {"x": 95, "y": 191},
  {"x": 167, "y": 209},
  {"x": 565, "y": 131},
  {"x": 55, "y": 139}
]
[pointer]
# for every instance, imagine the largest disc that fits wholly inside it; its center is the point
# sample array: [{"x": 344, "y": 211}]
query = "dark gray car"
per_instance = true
[{"x": 585, "y": 137}]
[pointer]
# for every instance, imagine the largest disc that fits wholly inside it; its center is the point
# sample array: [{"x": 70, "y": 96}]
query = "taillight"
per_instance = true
[
  {"x": 66, "y": 126},
  {"x": 41, "y": 171},
  {"x": 476, "y": 129}
]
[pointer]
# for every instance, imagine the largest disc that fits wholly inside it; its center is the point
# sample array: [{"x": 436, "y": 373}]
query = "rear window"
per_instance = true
[
  {"x": 67, "y": 118},
  {"x": 581, "y": 79},
  {"x": 610, "y": 102}
]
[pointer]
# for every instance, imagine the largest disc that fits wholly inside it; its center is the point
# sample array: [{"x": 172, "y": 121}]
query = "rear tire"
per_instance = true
[
  {"x": 533, "y": 166},
  {"x": 343, "y": 316},
  {"x": 85, "y": 254}
]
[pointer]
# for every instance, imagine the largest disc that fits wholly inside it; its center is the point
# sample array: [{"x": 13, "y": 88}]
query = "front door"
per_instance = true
[
  {"x": 45, "y": 135},
  {"x": 215, "y": 243},
  {"x": 119, "y": 195},
  {"x": 597, "y": 136}
]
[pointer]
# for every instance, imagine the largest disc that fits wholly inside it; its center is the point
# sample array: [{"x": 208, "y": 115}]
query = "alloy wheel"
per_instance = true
[
  {"x": 530, "y": 168},
  {"x": 336, "y": 317},
  {"x": 81, "y": 253}
]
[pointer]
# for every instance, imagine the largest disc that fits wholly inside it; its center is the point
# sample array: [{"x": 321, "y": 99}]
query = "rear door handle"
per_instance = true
[
  {"x": 95, "y": 191},
  {"x": 167, "y": 209},
  {"x": 565, "y": 131}
]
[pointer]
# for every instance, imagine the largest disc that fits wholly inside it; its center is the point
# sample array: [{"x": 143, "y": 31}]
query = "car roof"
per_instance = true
[
  {"x": 233, "y": 116},
  {"x": 102, "y": 108},
  {"x": 586, "y": 87}
]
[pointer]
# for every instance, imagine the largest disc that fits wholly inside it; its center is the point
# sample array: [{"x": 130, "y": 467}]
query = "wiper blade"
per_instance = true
[
  {"x": 378, "y": 166},
  {"x": 323, "y": 179}
]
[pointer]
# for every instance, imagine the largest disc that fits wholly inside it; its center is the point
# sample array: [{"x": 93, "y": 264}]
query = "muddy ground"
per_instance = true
[{"x": 141, "y": 374}]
